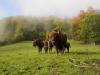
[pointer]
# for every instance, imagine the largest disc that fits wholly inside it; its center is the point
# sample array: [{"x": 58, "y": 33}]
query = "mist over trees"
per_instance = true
[
  {"x": 22, "y": 28},
  {"x": 84, "y": 27}
]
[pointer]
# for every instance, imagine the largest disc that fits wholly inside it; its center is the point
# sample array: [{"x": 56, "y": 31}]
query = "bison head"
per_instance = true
[{"x": 35, "y": 43}]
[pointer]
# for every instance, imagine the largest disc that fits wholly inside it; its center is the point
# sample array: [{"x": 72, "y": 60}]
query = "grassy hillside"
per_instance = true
[{"x": 23, "y": 59}]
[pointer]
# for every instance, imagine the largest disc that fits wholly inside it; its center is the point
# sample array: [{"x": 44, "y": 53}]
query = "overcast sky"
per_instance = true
[{"x": 60, "y": 8}]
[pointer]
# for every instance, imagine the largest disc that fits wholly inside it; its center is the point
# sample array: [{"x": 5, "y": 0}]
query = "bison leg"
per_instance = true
[
  {"x": 67, "y": 49},
  {"x": 46, "y": 50},
  {"x": 57, "y": 50},
  {"x": 63, "y": 51},
  {"x": 40, "y": 50},
  {"x": 50, "y": 50}
]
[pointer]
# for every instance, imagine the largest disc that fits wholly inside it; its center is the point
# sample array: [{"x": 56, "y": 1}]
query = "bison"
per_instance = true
[
  {"x": 38, "y": 43},
  {"x": 60, "y": 40},
  {"x": 50, "y": 45}
]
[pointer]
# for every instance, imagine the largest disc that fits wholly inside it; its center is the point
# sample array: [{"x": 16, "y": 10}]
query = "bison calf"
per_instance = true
[{"x": 39, "y": 44}]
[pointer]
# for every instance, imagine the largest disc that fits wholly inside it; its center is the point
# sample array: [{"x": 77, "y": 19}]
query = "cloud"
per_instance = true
[{"x": 60, "y": 8}]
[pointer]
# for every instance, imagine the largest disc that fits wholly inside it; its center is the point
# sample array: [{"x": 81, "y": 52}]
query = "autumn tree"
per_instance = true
[{"x": 76, "y": 25}]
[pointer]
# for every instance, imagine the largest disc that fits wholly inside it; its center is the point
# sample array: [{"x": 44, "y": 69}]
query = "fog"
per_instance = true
[
  {"x": 59, "y": 8},
  {"x": 2, "y": 28}
]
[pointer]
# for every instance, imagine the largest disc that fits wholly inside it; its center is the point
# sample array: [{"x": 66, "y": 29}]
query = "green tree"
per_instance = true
[{"x": 90, "y": 31}]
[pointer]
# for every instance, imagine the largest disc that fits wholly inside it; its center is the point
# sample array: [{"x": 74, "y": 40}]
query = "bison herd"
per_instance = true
[{"x": 56, "y": 38}]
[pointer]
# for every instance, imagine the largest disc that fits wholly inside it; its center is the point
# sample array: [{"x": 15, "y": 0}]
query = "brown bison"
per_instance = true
[
  {"x": 48, "y": 45},
  {"x": 60, "y": 40},
  {"x": 39, "y": 44}
]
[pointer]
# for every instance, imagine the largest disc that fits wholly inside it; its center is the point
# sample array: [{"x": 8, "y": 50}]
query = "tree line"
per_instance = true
[
  {"x": 21, "y": 28},
  {"x": 84, "y": 27}
]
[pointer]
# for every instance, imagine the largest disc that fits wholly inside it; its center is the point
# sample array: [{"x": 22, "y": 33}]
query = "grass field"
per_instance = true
[{"x": 23, "y": 59}]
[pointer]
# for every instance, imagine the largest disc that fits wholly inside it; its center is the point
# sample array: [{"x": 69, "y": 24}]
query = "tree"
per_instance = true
[
  {"x": 90, "y": 31},
  {"x": 76, "y": 27}
]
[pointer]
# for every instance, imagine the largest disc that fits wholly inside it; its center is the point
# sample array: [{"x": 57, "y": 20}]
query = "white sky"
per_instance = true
[{"x": 60, "y": 8}]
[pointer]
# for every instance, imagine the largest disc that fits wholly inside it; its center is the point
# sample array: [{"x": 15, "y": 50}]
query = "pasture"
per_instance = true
[{"x": 23, "y": 59}]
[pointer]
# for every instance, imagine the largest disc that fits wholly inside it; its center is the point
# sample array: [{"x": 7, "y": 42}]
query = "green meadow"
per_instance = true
[{"x": 23, "y": 59}]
